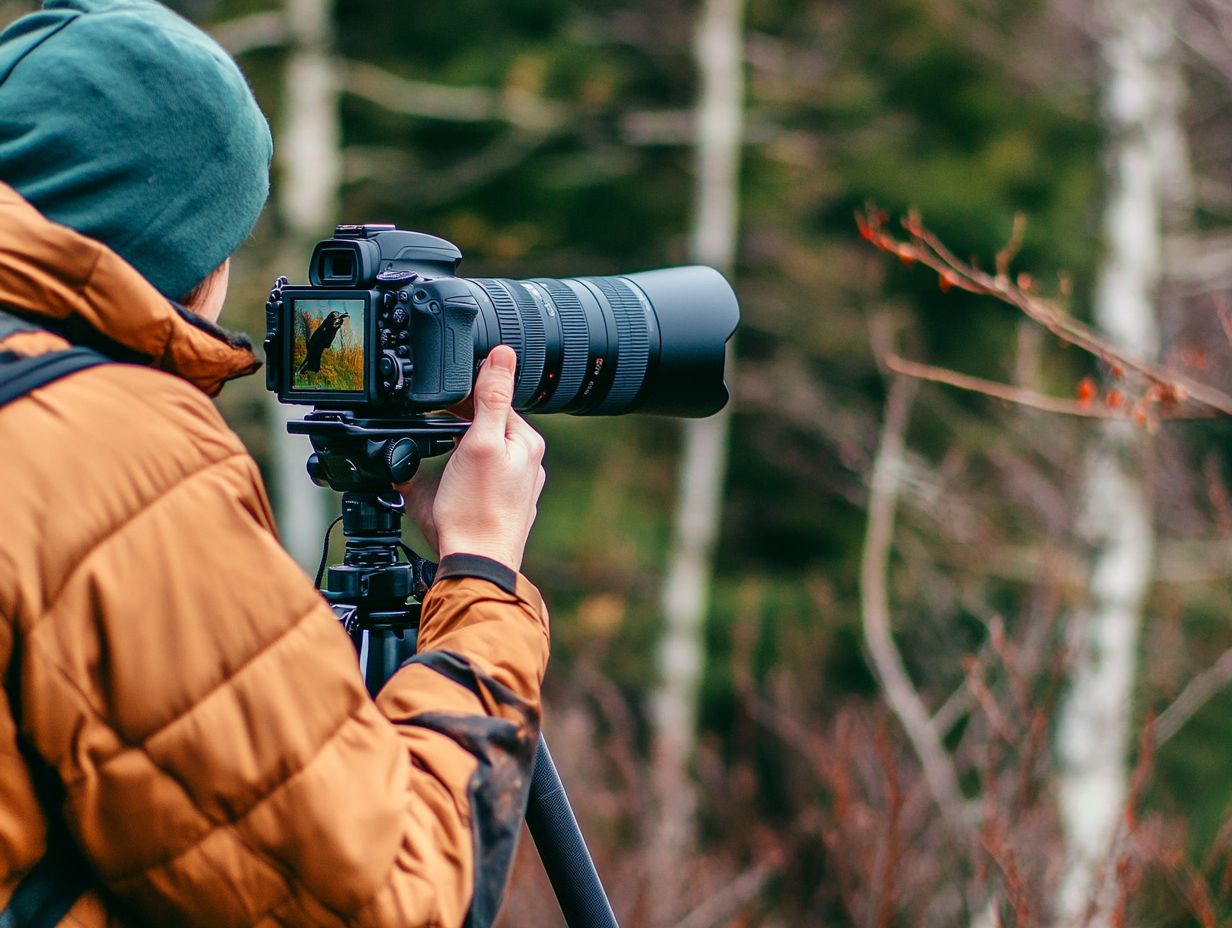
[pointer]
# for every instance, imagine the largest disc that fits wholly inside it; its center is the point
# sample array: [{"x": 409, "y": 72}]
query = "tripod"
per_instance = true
[{"x": 376, "y": 595}]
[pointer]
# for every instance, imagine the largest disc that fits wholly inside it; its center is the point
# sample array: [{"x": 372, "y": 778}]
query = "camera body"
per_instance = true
[{"x": 384, "y": 329}]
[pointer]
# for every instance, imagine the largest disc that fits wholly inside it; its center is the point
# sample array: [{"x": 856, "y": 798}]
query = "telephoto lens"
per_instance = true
[{"x": 652, "y": 342}]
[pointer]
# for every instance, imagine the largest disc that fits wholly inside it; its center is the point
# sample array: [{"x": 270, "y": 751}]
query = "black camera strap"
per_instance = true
[
  {"x": 57, "y": 881},
  {"x": 19, "y": 376},
  {"x": 49, "y": 890}
]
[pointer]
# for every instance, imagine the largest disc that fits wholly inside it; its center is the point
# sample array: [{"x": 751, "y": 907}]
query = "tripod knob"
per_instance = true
[
  {"x": 401, "y": 457},
  {"x": 316, "y": 470}
]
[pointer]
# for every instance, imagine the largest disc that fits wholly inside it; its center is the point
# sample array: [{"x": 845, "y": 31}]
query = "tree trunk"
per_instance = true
[
  {"x": 1147, "y": 173},
  {"x": 719, "y": 53},
  {"x": 310, "y": 166}
]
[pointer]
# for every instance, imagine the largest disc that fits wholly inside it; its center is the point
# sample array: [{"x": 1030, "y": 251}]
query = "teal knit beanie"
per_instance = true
[{"x": 128, "y": 124}]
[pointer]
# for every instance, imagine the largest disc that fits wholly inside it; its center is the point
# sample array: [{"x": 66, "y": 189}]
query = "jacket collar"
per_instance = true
[{"x": 80, "y": 287}]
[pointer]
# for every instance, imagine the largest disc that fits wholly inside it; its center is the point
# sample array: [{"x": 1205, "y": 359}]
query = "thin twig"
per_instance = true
[
  {"x": 939, "y": 771},
  {"x": 1000, "y": 391},
  {"x": 1196, "y": 694},
  {"x": 1007, "y": 254},
  {"x": 721, "y": 906},
  {"x": 953, "y": 709}
]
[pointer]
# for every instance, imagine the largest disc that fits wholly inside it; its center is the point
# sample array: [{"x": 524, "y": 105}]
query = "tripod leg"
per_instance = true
[
  {"x": 381, "y": 653},
  {"x": 563, "y": 850}
]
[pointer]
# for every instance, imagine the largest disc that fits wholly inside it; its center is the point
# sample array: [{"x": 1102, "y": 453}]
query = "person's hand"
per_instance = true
[{"x": 486, "y": 499}]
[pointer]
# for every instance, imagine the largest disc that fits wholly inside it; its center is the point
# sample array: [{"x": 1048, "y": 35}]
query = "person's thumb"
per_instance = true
[{"x": 494, "y": 392}]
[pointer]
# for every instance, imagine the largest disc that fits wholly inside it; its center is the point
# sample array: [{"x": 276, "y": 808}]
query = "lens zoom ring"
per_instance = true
[
  {"x": 575, "y": 343},
  {"x": 506, "y": 313},
  {"x": 530, "y": 362},
  {"x": 634, "y": 345}
]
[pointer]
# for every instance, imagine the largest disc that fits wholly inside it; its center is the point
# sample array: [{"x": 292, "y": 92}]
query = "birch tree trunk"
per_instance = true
[
  {"x": 719, "y": 51},
  {"x": 309, "y": 161},
  {"x": 1147, "y": 158}
]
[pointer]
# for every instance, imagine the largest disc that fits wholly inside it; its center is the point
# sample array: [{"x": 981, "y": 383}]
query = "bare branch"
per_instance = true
[
  {"x": 1193, "y": 561},
  {"x": 1199, "y": 260},
  {"x": 1016, "y": 395},
  {"x": 905, "y": 702},
  {"x": 391, "y": 167},
  {"x": 456, "y": 104},
  {"x": 963, "y": 699},
  {"x": 1207, "y": 31},
  {"x": 954, "y": 708},
  {"x": 722, "y": 906},
  {"x": 1197, "y": 694},
  {"x": 253, "y": 32},
  {"x": 1006, "y": 255},
  {"x": 1165, "y": 389}
]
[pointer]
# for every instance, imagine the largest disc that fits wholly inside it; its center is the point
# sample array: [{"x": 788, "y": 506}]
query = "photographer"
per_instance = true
[{"x": 185, "y": 735}]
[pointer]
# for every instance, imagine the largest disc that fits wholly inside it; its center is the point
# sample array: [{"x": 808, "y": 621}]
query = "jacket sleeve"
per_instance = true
[
  {"x": 470, "y": 641},
  {"x": 223, "y": 764}
]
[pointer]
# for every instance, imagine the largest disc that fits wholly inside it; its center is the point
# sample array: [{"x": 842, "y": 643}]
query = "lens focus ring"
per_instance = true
[
  {"x": 506, "y": 315},
  {"x": 575, "y": 339},
  {"x": 634, "y": 346},
  {"x": 530, "y": 368}
]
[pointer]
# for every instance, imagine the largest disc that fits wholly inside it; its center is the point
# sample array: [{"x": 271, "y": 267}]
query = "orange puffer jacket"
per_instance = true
[{"x": 220, "y": 761}]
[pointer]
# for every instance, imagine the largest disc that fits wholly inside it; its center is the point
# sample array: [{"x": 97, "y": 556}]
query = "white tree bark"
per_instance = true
[
  {"x": 1148, "y": 187},
  {"x": 719, "y": 51},
  {"x": 309, "y": 160}
]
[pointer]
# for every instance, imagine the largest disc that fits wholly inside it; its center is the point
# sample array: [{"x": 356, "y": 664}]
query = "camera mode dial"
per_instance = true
[{"x": 395, "y": 280}]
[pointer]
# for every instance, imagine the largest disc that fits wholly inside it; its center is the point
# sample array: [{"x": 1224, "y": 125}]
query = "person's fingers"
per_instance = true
[
  {"x": 519, "y": 430},
  {"x": 464, "y": 409},
  {"x": 420, "y": 494},
  {"x": 494, "y": 394}
]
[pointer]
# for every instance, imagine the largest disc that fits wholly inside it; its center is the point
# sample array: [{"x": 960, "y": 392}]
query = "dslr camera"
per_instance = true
[{"x": 386, "y": 332}]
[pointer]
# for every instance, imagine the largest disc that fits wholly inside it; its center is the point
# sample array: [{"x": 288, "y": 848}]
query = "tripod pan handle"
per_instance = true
[{"x": 563, "y": 850}]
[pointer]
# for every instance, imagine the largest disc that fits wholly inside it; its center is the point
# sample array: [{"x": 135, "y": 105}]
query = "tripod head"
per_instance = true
[
  {"x": 374, "y": 592},
  {"x": 352, "y": 454}
]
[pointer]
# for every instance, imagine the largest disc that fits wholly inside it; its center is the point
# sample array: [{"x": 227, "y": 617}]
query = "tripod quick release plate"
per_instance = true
[{"x": 357, "y": 455}]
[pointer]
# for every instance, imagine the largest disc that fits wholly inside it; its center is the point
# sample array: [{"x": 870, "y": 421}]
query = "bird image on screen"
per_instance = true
[
  {"x": 328, "y": 348},
  {"x": 321, "y": 339}
]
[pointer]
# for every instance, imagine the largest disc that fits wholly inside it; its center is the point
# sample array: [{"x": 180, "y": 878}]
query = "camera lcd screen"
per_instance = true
[{"x": 327, "y": 345}]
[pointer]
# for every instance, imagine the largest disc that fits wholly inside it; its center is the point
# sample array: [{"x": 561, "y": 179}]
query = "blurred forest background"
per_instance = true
[{"x": 870, "y": 649}]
